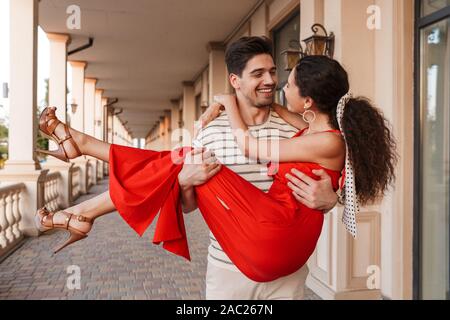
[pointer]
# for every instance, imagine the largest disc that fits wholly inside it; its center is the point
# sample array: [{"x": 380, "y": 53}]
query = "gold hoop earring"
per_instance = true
[{"x": 310, "y": 120}]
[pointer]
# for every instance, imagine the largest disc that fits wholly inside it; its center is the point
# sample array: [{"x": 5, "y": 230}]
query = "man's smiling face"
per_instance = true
[{"x": 258, "y": 81}]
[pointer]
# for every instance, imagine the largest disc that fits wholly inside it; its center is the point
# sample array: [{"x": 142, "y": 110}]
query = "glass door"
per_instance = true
[{"x": 433, "y": 146}]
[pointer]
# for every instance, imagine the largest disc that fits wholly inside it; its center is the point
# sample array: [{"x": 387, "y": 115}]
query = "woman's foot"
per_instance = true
[
  {"x": 59, "y": 132},
  {"x": 77, "y": 225}
]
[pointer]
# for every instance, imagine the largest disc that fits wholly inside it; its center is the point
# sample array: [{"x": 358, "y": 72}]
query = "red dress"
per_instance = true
[{"x": 266, "y": 235}]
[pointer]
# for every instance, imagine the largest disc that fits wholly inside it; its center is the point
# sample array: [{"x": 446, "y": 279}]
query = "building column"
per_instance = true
[
  {"x": 217, "y": 70},
  {"x": 110, "y": 125},
  {"x": 104, "y": 119},
  {"x": 89, "y": 118},
  {"x": 89, "y": 106},
  {"x": 58, "y": 98},
  {"x": 394, "y": 94},
  {"x": 104, "y": 131},
  {"x": 98, "y": 126},
  {"x": 58, "y": 74},
  {"x": 119, "y": 131},
  {"x": 78, "y": 72},
  {"x": 162, "y": 131},
  {"x": 205, "y": 89},
  {"x": 167, "y": 129},
  {"x": 188, "y": 112},
  {"x": 116, "y": 130},
  {"x": 124, "y": 135},
  {"x": 175, "y": 124},
  {"x": 22, "y": 165},
  {"x": 77, "y": 118}
]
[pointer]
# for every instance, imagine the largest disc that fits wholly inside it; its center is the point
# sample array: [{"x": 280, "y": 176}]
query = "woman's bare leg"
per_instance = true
[
  {"x": 91, "y": 146},
  {"x": 92, "y": 208}
]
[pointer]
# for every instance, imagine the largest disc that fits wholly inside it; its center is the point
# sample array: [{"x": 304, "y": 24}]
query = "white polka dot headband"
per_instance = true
[{"x": 350, "y": 201}]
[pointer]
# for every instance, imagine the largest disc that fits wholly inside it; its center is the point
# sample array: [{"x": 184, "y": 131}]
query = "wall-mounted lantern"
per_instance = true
[
  {"x": 316, "y": 45},
  {"x": 73, "y": 106},
  {"x": 292, "y": 55},
  {"x": 320, "y": 45}
]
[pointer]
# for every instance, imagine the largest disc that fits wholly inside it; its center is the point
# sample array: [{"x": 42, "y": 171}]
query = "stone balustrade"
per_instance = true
[
  {"x": 76, "y": 180},
  {"x": 91, "y": 175},
  {"x": 10, "y": 217},
  {"x": 51, "y": 191}
]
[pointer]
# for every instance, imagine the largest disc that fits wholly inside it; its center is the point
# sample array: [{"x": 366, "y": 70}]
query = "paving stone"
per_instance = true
[{"x": 115, "y": 263}]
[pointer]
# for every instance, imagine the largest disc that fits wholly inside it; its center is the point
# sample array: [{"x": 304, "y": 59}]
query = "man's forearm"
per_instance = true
[{"x": 188, "y": 201}]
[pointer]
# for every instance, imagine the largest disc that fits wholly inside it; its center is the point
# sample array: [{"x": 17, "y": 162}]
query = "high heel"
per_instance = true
[
  {"x": 44, "y": 222},
  {"x": 59, "y": 154},
  {"x": 48, "y": 131},
  {"x": 74, "y": 237}
]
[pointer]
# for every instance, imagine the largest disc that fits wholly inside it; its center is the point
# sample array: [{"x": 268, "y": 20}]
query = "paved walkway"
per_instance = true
[{"x": 113, "y": 263}]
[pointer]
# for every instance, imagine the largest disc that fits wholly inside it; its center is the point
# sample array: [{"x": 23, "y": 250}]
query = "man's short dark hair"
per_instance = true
[{"x": 241, "y": 51}]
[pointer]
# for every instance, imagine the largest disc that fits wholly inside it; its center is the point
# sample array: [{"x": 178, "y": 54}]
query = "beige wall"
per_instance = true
[
  {"x": 278, "y": 7},
  {"x": 394, "y": 93},
  {"x": 258, "y": 22},
  {"x": 380, "y": 69}
]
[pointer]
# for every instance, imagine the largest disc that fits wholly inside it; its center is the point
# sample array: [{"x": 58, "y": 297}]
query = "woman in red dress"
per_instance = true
[{"x": 267, "y": 235}]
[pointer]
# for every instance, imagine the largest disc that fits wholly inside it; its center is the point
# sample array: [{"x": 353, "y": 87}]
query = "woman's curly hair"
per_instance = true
[{"x": 371, "y": 145}]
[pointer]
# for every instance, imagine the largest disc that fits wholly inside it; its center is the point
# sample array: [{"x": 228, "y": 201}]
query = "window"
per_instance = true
[
  {"x": 431, "y": 6},
  {"x": 432, "y": 209},
  {"x": 284, "y": 37}
]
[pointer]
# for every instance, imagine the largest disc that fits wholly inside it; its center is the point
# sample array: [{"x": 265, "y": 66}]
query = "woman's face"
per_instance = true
[{"x": 295, "y": 103}]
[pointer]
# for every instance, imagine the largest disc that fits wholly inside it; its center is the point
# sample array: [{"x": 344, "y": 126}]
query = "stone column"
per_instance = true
[
  {"x": 116, "y": 128},
  {"x": 113, "y": 129},
  {"x": 175, "y": 124},
  {"x": 58, "y": 99},
  {"x": 167, "y": 129},
  {"x": 117, "y": 137},
  {"x": 217, "y": 70},
  {"x": 22, "y": 165},
  {"x": 110, "y": 126},
  {"x": 58, "y": 73},
  {"x": 205, "y": 89},
  {"x": 89, "y": 118},
  {"x": 107, "y": 131},
  {"x": 98, "y": 126},
  {"x": 104, "y": 131},
  {"x": 78, "y": 71},
  {"x": 162, "y": 131},
  {"x": 188, "y": 112},
  {"x": 104, "y": 119},
  {"x": 89, "y": 105},
  {"x": 77, "y": 118}
]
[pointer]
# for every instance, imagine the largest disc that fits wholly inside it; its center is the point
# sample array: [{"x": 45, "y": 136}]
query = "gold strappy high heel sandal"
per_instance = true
[
  {"x": 48, "y": 131},
  {"x": 44, "y": 221}
]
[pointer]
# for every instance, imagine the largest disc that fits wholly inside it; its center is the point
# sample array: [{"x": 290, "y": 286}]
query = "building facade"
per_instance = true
[{"x": 397, "y": 53}]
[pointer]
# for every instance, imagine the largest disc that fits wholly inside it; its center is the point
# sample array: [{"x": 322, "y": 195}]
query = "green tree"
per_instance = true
[
  {"x": 3, "y": 145},
  {"x": 3, "y": 132}
]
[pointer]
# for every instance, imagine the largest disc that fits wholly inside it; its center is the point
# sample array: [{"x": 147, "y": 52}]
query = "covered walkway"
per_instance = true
[
  {"x": 128, "y": 71},
  {"x": 114, "y": 264}
]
